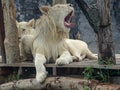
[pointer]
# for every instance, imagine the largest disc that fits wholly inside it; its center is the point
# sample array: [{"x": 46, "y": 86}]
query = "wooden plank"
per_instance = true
[
  {"x": 2, "y": 34},
  {"x": 82, "y": 64},
  {"x": 54, "y": 71},
  {"x": 0, "y": 59},
  {"x": 117, "y": 59}
]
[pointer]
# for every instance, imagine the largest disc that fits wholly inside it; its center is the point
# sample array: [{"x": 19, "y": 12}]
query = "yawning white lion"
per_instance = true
[
  {"x": 49, "y": 38},
  {"x": 49, "y": 41}
]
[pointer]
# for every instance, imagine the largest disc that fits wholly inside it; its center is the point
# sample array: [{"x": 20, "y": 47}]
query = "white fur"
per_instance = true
[
  {"x": 25, "y": 27},
  {"x": 25, "y": 30},
  {"x": 80, "y": 49},
  {"x": 26, "y": 47},
  {"x": 49, "y": 39}
]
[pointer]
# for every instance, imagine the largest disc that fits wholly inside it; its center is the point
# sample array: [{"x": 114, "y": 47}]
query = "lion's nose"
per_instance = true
[{"x": 19, "y": 37}]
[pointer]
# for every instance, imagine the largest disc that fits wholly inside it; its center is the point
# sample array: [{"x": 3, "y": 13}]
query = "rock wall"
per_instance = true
[{"x": 28, "y": 9}]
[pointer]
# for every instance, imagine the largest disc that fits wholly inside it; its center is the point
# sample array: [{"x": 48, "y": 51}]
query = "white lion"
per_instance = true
[
  {"x": 25, "y": 27},
  {"x": 25, "y": 31},
  {"x": 49, "y": 38}
]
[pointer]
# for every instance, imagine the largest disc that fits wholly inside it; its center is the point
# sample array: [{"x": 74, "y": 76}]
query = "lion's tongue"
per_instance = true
[{"x": 69, "y": 25}]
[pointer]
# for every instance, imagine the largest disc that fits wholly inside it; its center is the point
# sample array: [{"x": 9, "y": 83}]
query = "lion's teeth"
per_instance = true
[{"x": 67, "y": 24}]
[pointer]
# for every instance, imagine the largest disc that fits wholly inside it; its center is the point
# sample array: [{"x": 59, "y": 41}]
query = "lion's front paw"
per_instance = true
[
  {"x": 62, "y": 61},
  {"x": 41, "y": 77}
]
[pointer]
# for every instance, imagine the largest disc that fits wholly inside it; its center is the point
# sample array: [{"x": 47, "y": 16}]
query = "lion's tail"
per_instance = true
[{"x": 90, "y": 55}]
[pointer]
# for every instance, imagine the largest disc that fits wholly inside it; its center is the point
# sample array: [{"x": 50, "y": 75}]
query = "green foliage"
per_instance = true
[
  {"x": 88, "y": 72},
  {"x": 86, "y": 88},
  {"x": 96, "y": 74},
  {"x": 13, "y": 76},
  {"x": 107, "y": 61},
  {"x": 103, "y": 75}
]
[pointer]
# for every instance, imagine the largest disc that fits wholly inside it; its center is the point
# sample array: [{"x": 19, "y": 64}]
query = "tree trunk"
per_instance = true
[
  {"x": 2, "y": 34},
  {"x": 105, "y": 43},
  {"x": 91, "y": 14},
  {"x": 99, "y": 19},
  {"x": 11, "y": 35},
  {"x": 59, "y": 83},
  {"x": 59, "y": 2}
]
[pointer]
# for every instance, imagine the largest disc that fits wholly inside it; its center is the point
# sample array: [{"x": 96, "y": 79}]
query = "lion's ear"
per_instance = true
[
  {"x": 31, "y": 23},
  {"x": 17, "y": 23},
  {"x": 44, "y": 9}
]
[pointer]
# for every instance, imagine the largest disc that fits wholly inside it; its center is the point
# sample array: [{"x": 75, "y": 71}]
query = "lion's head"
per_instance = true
[
  {"x": 25, "y": 27},
  {"x": 61, "y": 15}
]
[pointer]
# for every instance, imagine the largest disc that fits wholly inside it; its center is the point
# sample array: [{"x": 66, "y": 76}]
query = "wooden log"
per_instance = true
[
  {"x": 58, "y": 83},
  {"x": 105, "y": 43},
  {"x": 11, "y": 35},
  {"x": 2, "y": 35}
]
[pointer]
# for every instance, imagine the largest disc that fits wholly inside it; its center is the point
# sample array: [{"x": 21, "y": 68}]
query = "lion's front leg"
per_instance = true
[
  {"x": 65, "y": 58},
  {"x": 22, "y": 52},
  {"x": 41, "y": 72}
]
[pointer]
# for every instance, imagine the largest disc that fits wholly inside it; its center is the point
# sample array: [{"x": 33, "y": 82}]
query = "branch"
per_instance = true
[
  {"x": 58, "y": 83},
  {"x": 91, "y": 14}
]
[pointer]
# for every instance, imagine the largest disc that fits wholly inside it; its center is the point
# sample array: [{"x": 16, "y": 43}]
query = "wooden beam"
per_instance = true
[
  {"x": 106, "y": 50},
  {"x": 11, "y": 41},
  {"x": 82, "y": 64},
  {"x": 2, "y": 34}
]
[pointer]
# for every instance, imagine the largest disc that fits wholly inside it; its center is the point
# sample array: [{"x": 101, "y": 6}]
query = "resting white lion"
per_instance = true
[
  {"x": 25, "y": 27},
  {"x": 25, "y": 30}
]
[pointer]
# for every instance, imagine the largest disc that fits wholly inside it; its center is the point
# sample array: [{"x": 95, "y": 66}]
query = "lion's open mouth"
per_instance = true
[{"x": 67, "y": 20}]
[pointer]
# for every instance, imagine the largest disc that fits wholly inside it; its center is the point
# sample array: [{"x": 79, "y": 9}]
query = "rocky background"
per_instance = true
[{"x": 28, "y": 9}]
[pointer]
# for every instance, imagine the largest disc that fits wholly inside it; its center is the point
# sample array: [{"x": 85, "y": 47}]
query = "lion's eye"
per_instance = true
[{"x": 23, "y": 29}]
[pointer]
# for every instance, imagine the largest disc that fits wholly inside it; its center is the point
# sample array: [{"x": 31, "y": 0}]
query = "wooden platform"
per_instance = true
[{"x": 82, "y": 64}]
